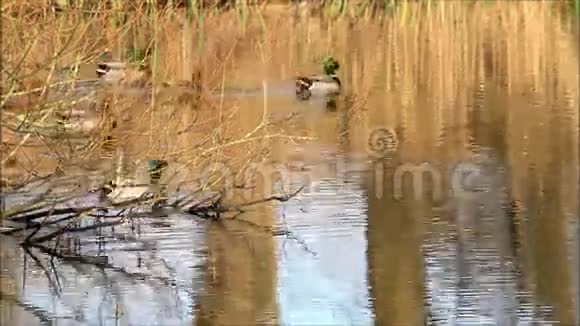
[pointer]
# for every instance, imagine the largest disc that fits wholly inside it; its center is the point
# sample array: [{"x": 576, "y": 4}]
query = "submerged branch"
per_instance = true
[
  {"x": 280, "y": 198},
  {"x": 68, "y": 229}
]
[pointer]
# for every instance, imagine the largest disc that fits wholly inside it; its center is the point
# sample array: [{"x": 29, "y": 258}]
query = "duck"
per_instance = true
[
  {"x": 327, "y": 84},
  {"x": 121, "y": 190},
  {"x": 83, "y": 126},
  {"x": 78, "y": 120},
  {"x": 114, "y": 72},
  {"x": 111, "y": 71}
]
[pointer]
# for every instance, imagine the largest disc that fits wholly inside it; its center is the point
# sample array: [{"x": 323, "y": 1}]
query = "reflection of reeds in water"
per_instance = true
[{"x": 457, "y": 77}]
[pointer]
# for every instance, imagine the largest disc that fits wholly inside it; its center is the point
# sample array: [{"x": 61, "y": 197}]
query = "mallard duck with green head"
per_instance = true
[
  {"x": 120, "y": 191},
  {"x": 113, "y": 71},
  {"x": 326, "y": 84},
  {"x": 123, "y": 74}
]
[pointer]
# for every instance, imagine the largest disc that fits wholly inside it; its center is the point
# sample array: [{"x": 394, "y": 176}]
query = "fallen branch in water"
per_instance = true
[
  {"x": 215, "y": 209},
  {"x": 280, "y": 198},
  {"x": 101, "y": 262},
  {"x": 36, "y": 224},
  {"x": 47, "y": 213},
  {"x": 37, "y": 219},
  {"x": 67, "y": 229}
]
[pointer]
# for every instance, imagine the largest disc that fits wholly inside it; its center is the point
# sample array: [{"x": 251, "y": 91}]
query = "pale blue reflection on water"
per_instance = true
[{"x": 322, "y": 277}]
